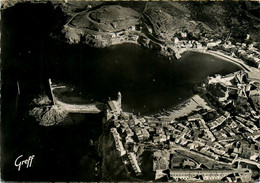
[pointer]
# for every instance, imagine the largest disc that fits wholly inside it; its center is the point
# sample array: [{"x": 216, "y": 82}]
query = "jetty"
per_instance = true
[{"x": 73, "y": 108}]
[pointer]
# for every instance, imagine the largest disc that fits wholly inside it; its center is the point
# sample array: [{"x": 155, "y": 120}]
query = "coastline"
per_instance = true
[
  {"x": 218, "y": 54},
  {"x": 101, "y": 34},
  {"x": 107, "y": 39}
]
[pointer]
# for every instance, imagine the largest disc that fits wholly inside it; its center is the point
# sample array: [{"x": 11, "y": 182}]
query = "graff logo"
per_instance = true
[{"x": 28, "y": 162}]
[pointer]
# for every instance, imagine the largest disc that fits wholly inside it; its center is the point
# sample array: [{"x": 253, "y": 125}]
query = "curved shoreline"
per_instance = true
[
  {"x": 117, "y": 40},
  {"x": 224, "y": 57},
  {"x": 169, "y": 46}
]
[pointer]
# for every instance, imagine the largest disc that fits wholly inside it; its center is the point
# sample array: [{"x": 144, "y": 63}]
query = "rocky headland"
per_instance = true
[
  {"x": 101, "y": 27},
  {"x": 171, "y": 28}
]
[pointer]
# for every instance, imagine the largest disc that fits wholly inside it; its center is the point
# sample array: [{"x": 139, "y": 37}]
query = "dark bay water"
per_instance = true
[{"x": 147, "y": 82}]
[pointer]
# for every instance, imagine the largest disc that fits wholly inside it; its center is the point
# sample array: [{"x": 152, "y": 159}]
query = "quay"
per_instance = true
[{"x": 73, "y": 108}]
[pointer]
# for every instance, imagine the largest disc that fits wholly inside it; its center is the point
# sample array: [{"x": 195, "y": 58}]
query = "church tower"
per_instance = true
[{"x": 119, "y": 98}]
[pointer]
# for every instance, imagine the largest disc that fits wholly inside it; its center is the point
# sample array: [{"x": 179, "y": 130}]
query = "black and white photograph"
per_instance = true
[{"x": 130, "y": 91}]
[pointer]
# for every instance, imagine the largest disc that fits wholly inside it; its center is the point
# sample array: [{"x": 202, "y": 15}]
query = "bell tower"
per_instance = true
[{"x": 119, "y": 99}]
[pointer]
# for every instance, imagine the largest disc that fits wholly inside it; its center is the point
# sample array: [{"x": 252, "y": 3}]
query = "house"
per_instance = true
[
  {"x": 145, "y": 133},
  {"x": 212, "y": 44}
]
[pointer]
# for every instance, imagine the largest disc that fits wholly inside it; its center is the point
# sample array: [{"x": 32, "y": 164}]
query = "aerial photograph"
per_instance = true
[{"x": 130, "y": 91}]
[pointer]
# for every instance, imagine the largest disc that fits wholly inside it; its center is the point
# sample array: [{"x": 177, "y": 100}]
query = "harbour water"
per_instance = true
[{"x": 148, "y": 83}]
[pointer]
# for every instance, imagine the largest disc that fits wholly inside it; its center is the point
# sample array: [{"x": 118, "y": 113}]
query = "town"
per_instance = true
[
  {"x": 214, "y": 135},
  {"x": 183, "y": 41}
]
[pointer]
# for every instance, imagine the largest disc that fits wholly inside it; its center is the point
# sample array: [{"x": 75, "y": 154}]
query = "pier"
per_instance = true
[{"x": 73, "y": 108}]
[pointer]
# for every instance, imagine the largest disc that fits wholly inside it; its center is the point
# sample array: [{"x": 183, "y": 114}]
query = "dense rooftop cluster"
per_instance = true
[{"x": 222, "y": 134}]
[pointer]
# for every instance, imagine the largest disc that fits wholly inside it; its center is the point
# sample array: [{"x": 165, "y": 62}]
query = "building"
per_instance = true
[
  {"x": 212, "y": 44},
  {"x": 114, "y": 107},
  {"x": 210, "y": 175},
  {"x": 145, "y": 133},
  {"x": 118, "y": 143},
  {"x": 134, "y": 163},
  {"x": 217, "y": 122}
]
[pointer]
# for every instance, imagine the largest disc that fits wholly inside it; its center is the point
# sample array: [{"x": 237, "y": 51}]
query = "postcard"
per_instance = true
[{"x": 127, "y": 91}]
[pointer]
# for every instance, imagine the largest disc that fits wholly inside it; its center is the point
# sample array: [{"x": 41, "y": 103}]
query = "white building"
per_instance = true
[
  {"x": 134, "y": 163},
  {"x": 118, "y": 143}
]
